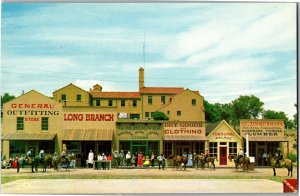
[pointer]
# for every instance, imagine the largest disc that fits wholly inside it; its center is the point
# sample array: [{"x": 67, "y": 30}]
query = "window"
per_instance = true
[
  {"x": 168, "y": 112},
  {"x": 63, "y": 97},
  {"x": 153, "y": 147},
  {"x": 123, "y": 102},
  {"x": 134, "y": 103},
  {"x": 97, "y": 102},
  {"x": 152, "y": 114},
  {"x": 78, "y": 97},
  {"x": 150, "y": 100},
  {"x": 193, "y": 102},
  {"x": 200, "y": 147},
  {"x": 178, "y": 113},
  {"x": 17, "y": 147},
  {"x": 147, "y": 114},
  {"x": 134, "y": 116},
  {"x": 110, "y": 102},
  {"x": 167, "y": 148},
  {"x": 163, "y": 99},
  {"x": 170, "y": 99},
  {"x": 20, "y": 123},
  {"x": 45, "y": 123},
  {"x": 213, "y": 149},
  {"x": 232, "y": 148}
]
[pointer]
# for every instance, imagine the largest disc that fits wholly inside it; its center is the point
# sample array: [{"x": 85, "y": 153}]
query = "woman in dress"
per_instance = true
[{"x": 140, "y": 160}]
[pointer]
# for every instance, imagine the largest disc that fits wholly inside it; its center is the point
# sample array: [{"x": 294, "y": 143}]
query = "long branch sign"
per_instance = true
[
  {"x": 184, "y": 128},
  {"x": 259, "y": 129}
]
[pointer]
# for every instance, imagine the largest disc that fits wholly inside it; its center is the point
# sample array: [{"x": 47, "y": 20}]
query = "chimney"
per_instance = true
[
  {"x": 141, "y": 78},
  {"x": 97, "y": 88}
]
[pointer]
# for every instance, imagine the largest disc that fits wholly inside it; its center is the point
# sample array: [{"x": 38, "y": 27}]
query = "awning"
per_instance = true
[
  {"x": 29, "y": 136},
  {"x": 88, "y": 135},
  {"x": 185, "y": 137}
]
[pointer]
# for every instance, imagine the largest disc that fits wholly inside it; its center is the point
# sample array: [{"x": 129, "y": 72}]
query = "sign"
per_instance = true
[
  {"x": 88, "y": 117},
  {"x": 139, "y": 127},
  {"x": 184, "y": 128},
  {"x": 260, "y": 129},
  {"x": 225, "y": 135},
  {"x": 32, "y": 109},
  {"x": 138, "y": 134}
]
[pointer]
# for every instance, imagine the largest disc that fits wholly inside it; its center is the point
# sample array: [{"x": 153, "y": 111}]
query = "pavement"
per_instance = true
[{"x": 139, "y": 181}]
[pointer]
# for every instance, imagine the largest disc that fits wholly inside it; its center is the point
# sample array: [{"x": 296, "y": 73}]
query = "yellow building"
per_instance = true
[
  {"x": 107, "y": 121},
  {"x": 31, "y": 121},
  {"x": 223, "y": 141}
]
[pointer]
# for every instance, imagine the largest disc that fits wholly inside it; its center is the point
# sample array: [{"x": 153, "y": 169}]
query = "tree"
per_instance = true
[
  {"x": 160, "y": 116},
  {"x": 295, "y": 120},
  {"x": 246, "y": 107},
  {"x": 212, "y": 113},
  {"x": 270, "y": 114},
  {"x": 6, "y": 98}
]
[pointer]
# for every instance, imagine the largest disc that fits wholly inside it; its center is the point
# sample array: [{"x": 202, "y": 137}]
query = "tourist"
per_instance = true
[
  {"x": 103, "y": 161},
  {"x": 152, "y": 159},
  {"x": 91, "y": 159},
  {"x": 140, "y": 160},
  {"x": 128, "y": 159}
]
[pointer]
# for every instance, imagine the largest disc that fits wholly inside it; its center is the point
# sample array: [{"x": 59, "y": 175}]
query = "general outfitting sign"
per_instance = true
[{"x": 261, "y": 129}]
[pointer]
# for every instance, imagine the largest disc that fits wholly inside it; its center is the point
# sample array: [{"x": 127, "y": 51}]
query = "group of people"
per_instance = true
[
  {"x": 137, "y": 160},
  {"x": 100, "y": 158}
]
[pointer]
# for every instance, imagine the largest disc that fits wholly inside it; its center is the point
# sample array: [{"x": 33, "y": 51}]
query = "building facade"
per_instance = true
[{"x": 78, "y": 121}]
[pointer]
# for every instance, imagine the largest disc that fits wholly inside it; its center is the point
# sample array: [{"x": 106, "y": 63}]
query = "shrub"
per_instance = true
[
  {"x": 293, "y": 157},
  {"x": 160, "y": 116}
]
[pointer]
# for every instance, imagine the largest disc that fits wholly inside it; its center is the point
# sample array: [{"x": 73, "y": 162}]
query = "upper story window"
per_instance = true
[
  {"x": 163, "y": 100},
  {"x": 45, "y": 123},
  {"x": 178, "y": 113},
  {"x": 193, "y": 102},
  {"x": 78, "y": 98},
  {"x": 97, "y": 102},
  {"x": 110, "y": 102},
  {"x": 123, "y": 102},
  {"x": 150, "y": 100},
  {"x": 170, "y": 99},
  {"x": 168, "y": 112},
  {"x": 20, "y": 123},
  {"x": 63, "y": 97},
  {"x": 134, "y": 103}
]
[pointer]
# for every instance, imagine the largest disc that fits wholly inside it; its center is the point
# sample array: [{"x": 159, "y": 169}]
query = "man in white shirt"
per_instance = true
[{"x": 128, "y": 159}]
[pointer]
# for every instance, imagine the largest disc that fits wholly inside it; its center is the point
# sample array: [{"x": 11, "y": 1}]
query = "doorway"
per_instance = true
[
  {"x": 182, "y": 149},
  {"x": 223, "y": 155}
]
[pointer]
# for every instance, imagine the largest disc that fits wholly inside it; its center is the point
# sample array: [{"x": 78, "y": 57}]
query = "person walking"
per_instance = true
[
  {"x": 161, "y": 161},
  {"x": 152, "y": 159}
]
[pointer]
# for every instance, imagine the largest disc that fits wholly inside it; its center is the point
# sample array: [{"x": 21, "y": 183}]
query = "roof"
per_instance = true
[
  {"x": 71, "y": 84},
  {"x": 88, "y": 135},
  {"x": 211, "y": 126},
  {"x": 30, "y": 136},
  {"x": 161, "y": 90},
  {"x": 128, "y": 95},
  {"x": 185, "y": 137}
]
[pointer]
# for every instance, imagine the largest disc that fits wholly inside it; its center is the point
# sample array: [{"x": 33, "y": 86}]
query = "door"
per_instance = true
[
  {"x": 182, "y": 149},
  {"x": 138, "y": 149},
  {"x": 223, "y": 155}
]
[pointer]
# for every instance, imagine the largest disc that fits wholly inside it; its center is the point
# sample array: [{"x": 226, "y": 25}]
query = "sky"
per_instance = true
[{"x": 223, "y": 50}]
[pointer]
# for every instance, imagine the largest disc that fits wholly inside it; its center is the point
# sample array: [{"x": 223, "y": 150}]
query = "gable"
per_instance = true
[{"x": 224, "y": 132}]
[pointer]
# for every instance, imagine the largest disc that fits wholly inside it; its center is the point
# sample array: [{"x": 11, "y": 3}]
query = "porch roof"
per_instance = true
[
  {"x": 29, "y": 136},
  {"x": 88, "y": 135},
  {"x": 185, "y": 137}
]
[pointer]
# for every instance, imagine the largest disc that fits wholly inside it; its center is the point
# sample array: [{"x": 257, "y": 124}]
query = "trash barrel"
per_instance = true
[{"x": 290, "y": 185}]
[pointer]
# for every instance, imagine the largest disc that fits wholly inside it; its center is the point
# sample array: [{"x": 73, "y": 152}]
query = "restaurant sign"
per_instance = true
[
  {"x": 259, "y": 129},
  {"x": 138, "y": 134}
]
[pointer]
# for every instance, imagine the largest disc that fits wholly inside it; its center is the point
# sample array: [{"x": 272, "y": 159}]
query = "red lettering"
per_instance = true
[{"x": 13, "y": 105}]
